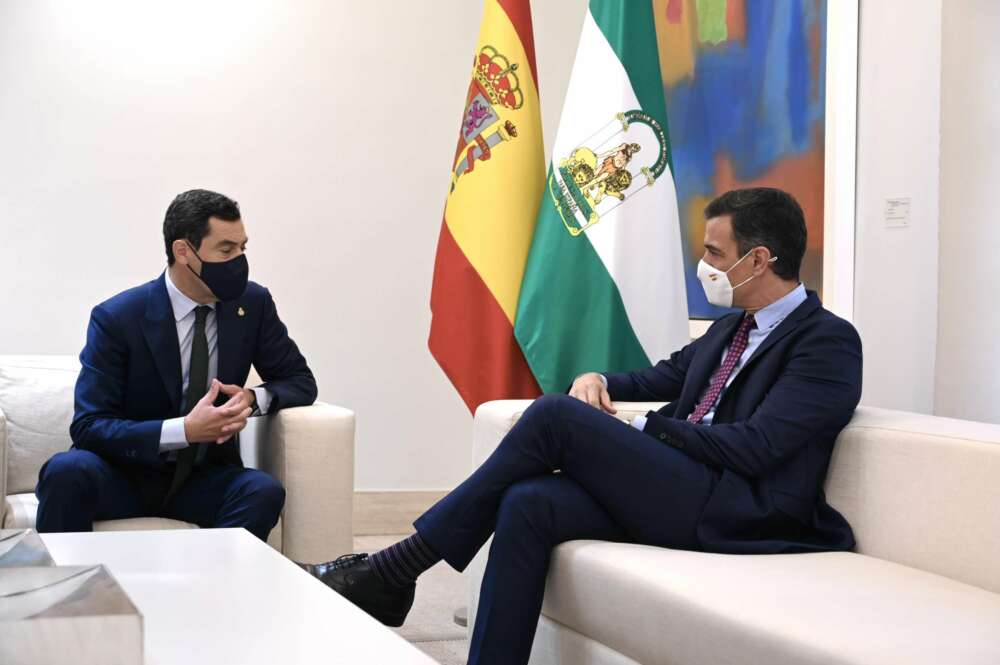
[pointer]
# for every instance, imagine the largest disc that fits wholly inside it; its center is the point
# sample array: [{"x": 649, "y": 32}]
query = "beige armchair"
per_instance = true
[{"x": 309, "y": 449}]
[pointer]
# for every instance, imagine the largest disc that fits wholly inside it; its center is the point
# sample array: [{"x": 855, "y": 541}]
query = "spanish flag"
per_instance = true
[{"x": 496, "y": 183}]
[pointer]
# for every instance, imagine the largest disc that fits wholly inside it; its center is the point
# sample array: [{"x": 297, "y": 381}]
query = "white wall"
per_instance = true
[
  {"x": 968, "y": 370},
  {"x": 332, "y": 123},
  {"x": 896, "y": 279},
  {"x": 108, "y": 110}
]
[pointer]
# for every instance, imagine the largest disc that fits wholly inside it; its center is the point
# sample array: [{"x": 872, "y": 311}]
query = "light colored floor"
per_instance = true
[
  {"x": 380, "y": 513},
  {"x": 430, "y": 625}
]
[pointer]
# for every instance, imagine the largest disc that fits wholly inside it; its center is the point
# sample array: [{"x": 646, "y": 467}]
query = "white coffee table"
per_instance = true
[{"x": 220, "y": 596}]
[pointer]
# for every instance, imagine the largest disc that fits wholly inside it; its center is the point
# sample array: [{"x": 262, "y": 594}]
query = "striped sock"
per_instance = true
[{"x": 401, "y": 564}]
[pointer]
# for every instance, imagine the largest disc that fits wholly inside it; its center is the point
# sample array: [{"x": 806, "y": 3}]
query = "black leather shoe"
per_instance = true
[{"x": 353, "y": 578}]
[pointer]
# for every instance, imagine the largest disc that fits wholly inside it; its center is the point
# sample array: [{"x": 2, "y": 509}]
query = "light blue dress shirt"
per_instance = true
[
  {"x": 172, "y": 437},
  {"x": 767, "y": 320}
]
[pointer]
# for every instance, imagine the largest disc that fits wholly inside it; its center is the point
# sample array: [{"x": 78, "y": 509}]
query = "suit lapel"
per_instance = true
[
  {"x": 160, "y": 330},
  {"x": 230, "y": 339},
  {"x": 788, "y": 325}
]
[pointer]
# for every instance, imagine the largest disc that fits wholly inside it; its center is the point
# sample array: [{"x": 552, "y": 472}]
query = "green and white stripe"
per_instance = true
[{"x": 606, "y": 293}]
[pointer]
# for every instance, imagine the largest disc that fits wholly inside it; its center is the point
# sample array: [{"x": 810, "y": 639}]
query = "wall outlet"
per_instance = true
[{"x": 897, "y": 213}]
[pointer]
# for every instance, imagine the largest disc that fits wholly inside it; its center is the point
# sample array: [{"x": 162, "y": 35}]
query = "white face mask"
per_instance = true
[{"x": 718, "y": 288}]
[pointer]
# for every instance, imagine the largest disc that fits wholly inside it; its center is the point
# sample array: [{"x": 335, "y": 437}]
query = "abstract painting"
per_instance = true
[{"x": 745, "y": 93}]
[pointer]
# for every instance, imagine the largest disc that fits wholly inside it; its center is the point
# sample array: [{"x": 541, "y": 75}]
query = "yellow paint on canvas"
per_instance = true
[
  {"x": 491, "y": 212},
  {"x": 677, "y": 57}
]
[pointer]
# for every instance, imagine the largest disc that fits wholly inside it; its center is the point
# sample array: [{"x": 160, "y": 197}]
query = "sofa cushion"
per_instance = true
[
  {"x": 36, "y": 398},
  {"x": 22, "y": 509},
  {"x": 899, "y": 477},
  {"x": 143, "y": 524},
  {"x": 668, "y": 606},
  {"x": 19, "y": 511}
]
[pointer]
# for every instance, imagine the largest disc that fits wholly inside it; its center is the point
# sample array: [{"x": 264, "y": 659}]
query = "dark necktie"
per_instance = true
[
  {"x": 718, "y": 382},
  {"x": 197, "y": 387}
]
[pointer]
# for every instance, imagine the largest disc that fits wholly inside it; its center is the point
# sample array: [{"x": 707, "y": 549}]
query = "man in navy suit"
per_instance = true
[
  {"x": 734, "y": 463},
  {"x": 159, "y": 400}
]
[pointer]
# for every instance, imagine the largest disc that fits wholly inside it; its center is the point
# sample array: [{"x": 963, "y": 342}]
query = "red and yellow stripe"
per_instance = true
[{"x": 489, "y": 222}]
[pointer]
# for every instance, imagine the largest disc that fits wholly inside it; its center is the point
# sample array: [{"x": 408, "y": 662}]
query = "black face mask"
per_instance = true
[{"x": 226, "y": 279}]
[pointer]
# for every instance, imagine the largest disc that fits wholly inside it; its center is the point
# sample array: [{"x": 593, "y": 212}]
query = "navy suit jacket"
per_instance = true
[
  {"x": 773, "y": 431},
  {"x": 130, "y": 379}
]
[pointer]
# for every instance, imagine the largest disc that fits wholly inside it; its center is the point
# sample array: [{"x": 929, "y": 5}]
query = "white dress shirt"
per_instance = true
[{"x": 172, "y": 436}]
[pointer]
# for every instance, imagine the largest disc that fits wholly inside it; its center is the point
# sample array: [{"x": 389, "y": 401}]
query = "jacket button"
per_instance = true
[{"x": 663, "y": 437}]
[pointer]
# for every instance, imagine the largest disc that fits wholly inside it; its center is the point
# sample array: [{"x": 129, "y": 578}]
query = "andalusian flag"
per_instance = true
[
  {"x": 603, "y": 288},
  {"x": 496, "y": 184}
]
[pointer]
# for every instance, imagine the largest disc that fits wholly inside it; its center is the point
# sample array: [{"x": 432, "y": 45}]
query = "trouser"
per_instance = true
[
  {"x": 565, "y": 471},
  {"x": 77, "y": 487}
]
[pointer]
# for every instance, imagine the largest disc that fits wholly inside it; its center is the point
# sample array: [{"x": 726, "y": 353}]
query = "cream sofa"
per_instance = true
[
  {"x": 309, "y": 449},
  {"x": 923, "y": 496}
]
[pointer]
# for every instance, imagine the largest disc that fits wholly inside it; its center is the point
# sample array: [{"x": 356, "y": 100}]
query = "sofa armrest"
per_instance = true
[
  {"x": 494, "y": 419},
  {"x": 3, "y": 466},
  {"x": 492, "y": 422},
  {"x": 311, "y": 451}
]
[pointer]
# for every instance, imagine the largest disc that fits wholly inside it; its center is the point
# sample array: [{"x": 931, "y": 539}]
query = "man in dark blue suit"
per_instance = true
[
  {"x": 734, "y": 463},
  {"x": 159, "y": 400}
]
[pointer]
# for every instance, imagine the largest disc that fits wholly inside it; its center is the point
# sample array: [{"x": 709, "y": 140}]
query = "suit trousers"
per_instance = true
[
  {"x": 77, "y": 487},
  {"x": 565, "y": 471}
]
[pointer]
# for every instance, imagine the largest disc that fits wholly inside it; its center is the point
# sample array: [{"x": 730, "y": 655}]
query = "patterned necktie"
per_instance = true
[
  {"x": 718, "y": 382},
  {"x": 197, "y": 388}
]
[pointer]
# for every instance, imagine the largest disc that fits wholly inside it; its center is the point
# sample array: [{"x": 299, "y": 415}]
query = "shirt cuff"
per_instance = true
[
  {"x": 263, "y": 400},
  {"x": 639, "y": 422},
  {"x": 172, "y": 436}
]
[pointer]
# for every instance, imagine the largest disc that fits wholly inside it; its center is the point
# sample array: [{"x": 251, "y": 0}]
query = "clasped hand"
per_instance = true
[{"x": 207, "y": 423}]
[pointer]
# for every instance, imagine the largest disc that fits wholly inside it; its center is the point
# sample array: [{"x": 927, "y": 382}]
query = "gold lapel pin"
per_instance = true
[{"x": 241, "y": 312}]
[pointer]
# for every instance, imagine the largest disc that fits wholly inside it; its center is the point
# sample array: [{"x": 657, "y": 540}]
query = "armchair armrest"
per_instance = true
[{"x": 311, "y": 451}]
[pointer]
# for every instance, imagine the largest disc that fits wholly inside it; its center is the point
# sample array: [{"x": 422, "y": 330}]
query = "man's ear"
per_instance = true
[
  {"x": 761, "y": 258},
  {"x": 182, "y": 252}
]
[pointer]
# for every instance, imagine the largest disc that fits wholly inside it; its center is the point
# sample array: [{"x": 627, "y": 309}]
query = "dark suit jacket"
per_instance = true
[
  {"x": 773, "y": 431},
  {"x": 130, "y": 380}
]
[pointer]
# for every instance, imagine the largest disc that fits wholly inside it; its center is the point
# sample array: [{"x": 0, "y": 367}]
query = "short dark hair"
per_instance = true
[
  {"x": 765, "y": 217},
  {"x": 188, "y": 214}
]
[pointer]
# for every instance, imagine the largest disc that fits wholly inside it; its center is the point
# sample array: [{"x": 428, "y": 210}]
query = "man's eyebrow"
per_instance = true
[
  {"x": 230, "y": 242},
  {"x": 712, "y": 247}
]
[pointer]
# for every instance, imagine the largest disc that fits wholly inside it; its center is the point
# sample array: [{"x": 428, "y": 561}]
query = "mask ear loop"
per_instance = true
[
  {"x": 200, "y": 259},
  {"x": 733, "y": 267},
  {"x": 770, "y": 260}
]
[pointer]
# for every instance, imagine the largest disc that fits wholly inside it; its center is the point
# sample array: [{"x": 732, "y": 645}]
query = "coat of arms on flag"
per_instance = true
[
  {"x": 619, "y": 160},
  {"x": 495, "y": 87}
]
